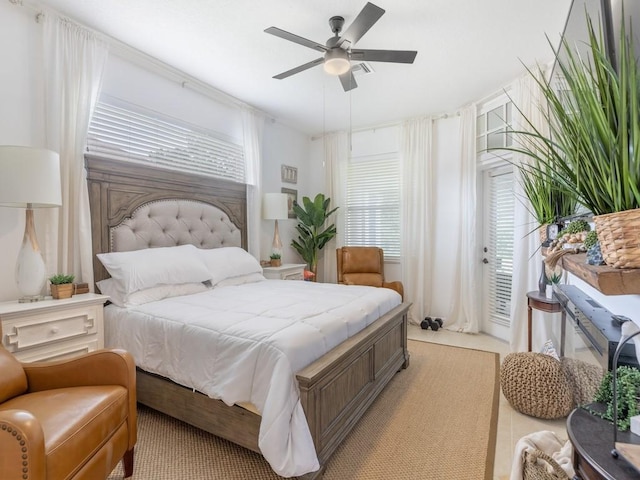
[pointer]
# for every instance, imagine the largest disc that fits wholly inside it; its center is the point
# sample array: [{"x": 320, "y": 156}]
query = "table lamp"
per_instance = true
[
  {"x": 29, "y": 178},
  {"x": 275, "y": 207}
]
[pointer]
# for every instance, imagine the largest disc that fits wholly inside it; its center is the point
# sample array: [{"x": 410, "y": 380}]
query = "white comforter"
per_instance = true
[{"x": 245, "y": 343}]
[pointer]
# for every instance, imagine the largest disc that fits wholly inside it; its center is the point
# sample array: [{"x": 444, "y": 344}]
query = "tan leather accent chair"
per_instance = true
[
  {"x": 364, "y": 266},
  {"x": 67, "y": 419}
]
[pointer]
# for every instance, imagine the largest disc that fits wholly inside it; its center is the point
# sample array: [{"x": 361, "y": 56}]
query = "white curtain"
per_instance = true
[
  {"x": 417, "y": 215},
  {"x": 252, "y": 127},
  {"x": 527, "y": 257},
  {"x": 337, "y": 148},
  {"x": 74, "y": 60},
  {"x": 465, "y": 308}
]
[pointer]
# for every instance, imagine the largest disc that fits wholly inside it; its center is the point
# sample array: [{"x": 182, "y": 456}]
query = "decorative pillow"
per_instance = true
[
  {"x": 241, "y": 280},
  {"x": 141, "y": 269},
  {"x": 228, "y": 262}
]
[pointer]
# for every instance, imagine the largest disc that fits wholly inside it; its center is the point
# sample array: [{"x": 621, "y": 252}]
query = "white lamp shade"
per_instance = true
[
  {"x": 29, "y": 177},
  {"x": 275, "y": 206}
]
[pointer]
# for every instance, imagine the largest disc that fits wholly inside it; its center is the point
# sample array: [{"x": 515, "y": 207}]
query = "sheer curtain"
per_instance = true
[
  {"x": 252, "y": 127},
  {"x": 74, "y": 60},
  {"x": 527, "y": 258},
  {"x": 417, "y": 215},
  {"x": 463, "y": 316},
  {"x": 336, "y": 155}
]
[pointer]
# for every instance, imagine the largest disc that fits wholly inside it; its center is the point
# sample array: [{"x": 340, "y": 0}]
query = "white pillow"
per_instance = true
[
  {"x": 241, "y": 280},
  {"x": 111, "y": 288},
  {"x": 141, "y": 269},
  {"x": 228, "y": 262},
  {"x": 159, "y": 292}
]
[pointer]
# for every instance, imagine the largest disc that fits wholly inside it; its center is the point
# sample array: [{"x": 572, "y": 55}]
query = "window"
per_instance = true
[
  {"x": 126, "y": 132},
  {"x": 492, "y": 127},
  {"x": 372, "y": 215}
]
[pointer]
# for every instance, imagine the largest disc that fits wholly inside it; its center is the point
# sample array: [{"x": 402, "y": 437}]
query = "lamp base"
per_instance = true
[{"x": 30, "y": 298}]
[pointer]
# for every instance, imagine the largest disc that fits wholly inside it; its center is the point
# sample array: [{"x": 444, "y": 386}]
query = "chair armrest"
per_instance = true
[
  {"x": 397, "y": 286},
  {"x": 22, "y": 446},
  {"x": 102, "y": 367}
]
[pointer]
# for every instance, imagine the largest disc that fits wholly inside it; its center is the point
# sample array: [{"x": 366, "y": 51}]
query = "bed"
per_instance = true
[{"x": 334, "y": 390}]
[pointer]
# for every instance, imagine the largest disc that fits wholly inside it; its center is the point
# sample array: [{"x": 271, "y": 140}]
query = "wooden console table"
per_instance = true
[
  {"x": 539, "y": 301},
  {"x": 592, "y": 440}
]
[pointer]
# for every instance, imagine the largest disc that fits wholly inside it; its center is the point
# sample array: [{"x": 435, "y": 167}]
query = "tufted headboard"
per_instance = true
[{"x": 134, "y": 206}]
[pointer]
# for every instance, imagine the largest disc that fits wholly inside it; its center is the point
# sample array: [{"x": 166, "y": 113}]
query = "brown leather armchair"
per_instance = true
[
  {"x": 364, "y": 266},
  {"x": 68, "y": 419}
]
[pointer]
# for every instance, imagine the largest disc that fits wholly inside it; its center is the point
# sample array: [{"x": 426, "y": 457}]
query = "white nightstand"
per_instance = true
[
  {"x": 288, "y": 271},
  {"x": 53, "y": 329}
]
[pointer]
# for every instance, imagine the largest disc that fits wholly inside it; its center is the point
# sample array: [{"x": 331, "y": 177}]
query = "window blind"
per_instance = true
[
  {"x": 126, "y": 133},
  {"x": 501, "y": 231},
  {"x": 372, "y": 215}
]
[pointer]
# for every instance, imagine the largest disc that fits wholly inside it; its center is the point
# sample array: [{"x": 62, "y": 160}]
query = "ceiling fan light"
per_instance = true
[{"x": 336, "y": 62}]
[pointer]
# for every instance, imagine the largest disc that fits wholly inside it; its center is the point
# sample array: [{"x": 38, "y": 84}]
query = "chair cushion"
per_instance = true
[
  {"x": 370, "y": 279},
  {"x": 13, "y": 380},
  {"x": 76, "y": 422}
]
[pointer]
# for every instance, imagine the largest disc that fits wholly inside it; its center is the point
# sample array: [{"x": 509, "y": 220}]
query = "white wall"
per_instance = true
[
  {"x": 283, "y": 146},
  {"x": 21, "y": 118}
]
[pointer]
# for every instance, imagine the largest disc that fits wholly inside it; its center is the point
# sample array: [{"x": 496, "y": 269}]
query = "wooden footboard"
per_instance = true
[{"x": 335, "y": 390}]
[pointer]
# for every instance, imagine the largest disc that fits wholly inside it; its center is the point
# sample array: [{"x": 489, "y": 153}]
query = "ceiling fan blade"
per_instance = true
[
  {"x": 395, "y": 56},
  {"x": 296, "y": 39},
  {"x": 348, "y": 81},
  {"x": 369, "y": 15},
  {"x": 300, "y": 68}
]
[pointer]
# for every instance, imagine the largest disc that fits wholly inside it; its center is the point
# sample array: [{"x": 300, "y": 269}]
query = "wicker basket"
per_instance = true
[
  {"x": 542, "y": 230},
  {"x": 535, "y": 467},
  {"x": 619, "y": 235}
]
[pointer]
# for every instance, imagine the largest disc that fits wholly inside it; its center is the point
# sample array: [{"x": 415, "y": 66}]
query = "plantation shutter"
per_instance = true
[
  {"x": 372, "y": 215},
  {"x": 125, "y": 132},
  {"x": 500, "y": 248}
]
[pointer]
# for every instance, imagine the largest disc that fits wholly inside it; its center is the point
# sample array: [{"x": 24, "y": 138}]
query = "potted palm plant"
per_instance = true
[
  {"x": 593, "y": 142},
  {"x": 61, "y": 285},
  {"x": 312, "y": 233}
]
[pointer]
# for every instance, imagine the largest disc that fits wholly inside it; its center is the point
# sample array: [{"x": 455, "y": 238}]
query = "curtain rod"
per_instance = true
[{"x": 391, "y": 124}]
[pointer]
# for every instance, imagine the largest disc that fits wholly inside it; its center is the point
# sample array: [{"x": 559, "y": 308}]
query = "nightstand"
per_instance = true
[
  {"x": 53, "y": 329},
  {"x": 288, "y": 271}
]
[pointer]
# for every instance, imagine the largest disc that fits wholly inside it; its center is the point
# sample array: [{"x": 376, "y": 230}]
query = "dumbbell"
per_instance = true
[{"x": 435, "y": 324}]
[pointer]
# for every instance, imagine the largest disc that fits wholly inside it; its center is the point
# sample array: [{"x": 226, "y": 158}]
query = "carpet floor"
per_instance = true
[{"x": 436, "y": 420}]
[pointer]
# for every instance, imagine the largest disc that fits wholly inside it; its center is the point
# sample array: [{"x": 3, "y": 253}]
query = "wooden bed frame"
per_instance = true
[{"x": 335, "y": 390}]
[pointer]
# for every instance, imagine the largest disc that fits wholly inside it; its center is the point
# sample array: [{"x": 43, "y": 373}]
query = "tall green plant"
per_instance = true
[
  {"x": 312, "y": 234},
  {"x": 594, "y": 142},
  {"x": 548, "y": 198}
]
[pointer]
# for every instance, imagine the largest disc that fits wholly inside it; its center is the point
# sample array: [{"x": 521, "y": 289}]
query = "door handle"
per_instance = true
[{"x": 485, "y": 261}]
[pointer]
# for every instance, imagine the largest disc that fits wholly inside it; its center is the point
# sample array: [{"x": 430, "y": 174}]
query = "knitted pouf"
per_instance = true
[{"x": 536, "y": 385}]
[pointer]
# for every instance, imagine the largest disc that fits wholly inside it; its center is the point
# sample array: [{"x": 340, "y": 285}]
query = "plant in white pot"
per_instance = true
[{"x": 593, "y": 144}]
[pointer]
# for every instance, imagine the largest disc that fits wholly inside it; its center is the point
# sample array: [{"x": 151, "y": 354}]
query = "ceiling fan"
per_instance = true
[{"x": 338, "y": 50}]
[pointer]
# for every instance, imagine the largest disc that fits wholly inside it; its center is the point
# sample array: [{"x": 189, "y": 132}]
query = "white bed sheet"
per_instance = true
[{"x": 245, "y": 344}]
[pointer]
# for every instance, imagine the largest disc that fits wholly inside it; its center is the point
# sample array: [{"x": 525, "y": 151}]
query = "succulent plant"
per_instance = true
[
  {"x": 591, "y": 239},
  {"x": 576, "y": 226}
]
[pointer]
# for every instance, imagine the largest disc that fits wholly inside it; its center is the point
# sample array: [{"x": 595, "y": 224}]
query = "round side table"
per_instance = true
[{"x": 541, "y": 302}]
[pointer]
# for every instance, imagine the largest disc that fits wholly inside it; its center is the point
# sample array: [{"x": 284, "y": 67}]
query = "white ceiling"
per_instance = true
[{"x": 467, "y": 49}]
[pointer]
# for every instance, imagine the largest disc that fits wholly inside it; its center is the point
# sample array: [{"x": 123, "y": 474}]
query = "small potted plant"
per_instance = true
[
  {"x": 61, "y": 285},
  {"x": 276, "y": 259}
]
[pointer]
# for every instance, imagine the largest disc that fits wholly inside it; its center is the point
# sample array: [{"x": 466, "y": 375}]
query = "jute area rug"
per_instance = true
[{"x": 435, "y": 420}]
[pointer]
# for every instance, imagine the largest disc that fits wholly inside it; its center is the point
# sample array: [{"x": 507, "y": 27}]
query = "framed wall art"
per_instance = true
[
  {"x": 292, "y": 196},
  {"x": 288, "y": 174}
]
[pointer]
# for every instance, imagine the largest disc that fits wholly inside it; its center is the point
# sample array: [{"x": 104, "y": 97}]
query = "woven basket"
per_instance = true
[
  {"x": 619, "y": 235},
  {"x": 542, "y": 230},
  {"x": 535, "y": 467}
]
